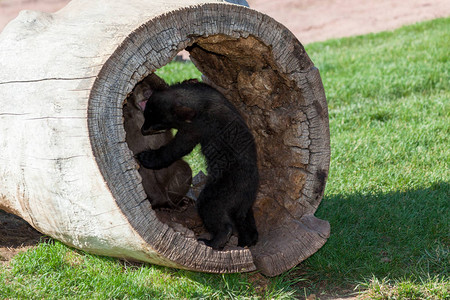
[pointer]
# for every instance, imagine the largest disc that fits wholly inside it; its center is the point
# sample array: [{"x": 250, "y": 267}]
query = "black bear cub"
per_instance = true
[{"x": 203, "y": 115}]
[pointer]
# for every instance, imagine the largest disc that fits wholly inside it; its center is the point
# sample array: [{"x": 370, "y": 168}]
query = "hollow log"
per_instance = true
[{"x": 65, "y": 164}]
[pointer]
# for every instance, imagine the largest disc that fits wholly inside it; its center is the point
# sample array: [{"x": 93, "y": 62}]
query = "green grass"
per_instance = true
[
  {"x": 387, "y": 196},
  {"x": 388, "y": 193},
  {"x": 55, "y": 271},
  {"x": 175, "y": 72},
  {"x": 430, "y": 288}
]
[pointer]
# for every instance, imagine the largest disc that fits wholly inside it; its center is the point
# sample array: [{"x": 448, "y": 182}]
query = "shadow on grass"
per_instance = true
[
  {"x": 16, "y": 232},
  {"x": 393, "y": 235},
  {"x": 16, "y": 235}
]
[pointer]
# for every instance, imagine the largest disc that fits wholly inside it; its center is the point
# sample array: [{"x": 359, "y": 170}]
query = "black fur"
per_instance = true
[{"x": 203, "y": 115}]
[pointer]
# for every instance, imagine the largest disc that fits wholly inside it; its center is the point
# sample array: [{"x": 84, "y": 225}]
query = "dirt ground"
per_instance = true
[{"x": 309, "y": 20}]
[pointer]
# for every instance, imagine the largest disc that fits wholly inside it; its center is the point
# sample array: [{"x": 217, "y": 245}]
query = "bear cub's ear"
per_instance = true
[{"x": 184, "y": 113}]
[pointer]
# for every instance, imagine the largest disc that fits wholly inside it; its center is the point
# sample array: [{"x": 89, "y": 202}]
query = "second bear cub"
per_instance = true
[{"x": 203, "y": 115}]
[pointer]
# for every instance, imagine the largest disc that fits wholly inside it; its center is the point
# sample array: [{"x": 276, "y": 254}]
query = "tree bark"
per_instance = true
[{"x": 65, "y": 166}]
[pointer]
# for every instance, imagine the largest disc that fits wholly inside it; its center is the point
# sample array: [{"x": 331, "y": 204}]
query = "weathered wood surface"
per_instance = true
[{"x": 65, "y": 166}]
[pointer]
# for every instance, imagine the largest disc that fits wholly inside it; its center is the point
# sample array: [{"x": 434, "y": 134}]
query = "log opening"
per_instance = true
[
  {"x": 70, "y": 170},
  {"x": 267, "y": 74}
]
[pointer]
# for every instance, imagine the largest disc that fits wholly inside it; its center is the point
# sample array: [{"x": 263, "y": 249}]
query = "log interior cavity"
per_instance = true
[{"x": 244, "y": 70}]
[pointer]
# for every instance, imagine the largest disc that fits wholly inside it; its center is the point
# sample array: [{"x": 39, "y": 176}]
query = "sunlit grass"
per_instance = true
[{"x": 387, "y": 197}]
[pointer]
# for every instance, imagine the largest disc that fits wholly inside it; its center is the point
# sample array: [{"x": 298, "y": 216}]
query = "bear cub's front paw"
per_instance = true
[{"x": 148, "y": 159}]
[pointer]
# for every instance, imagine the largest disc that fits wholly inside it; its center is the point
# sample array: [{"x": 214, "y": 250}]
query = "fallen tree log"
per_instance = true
[{"x": 65, "y": 164}]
